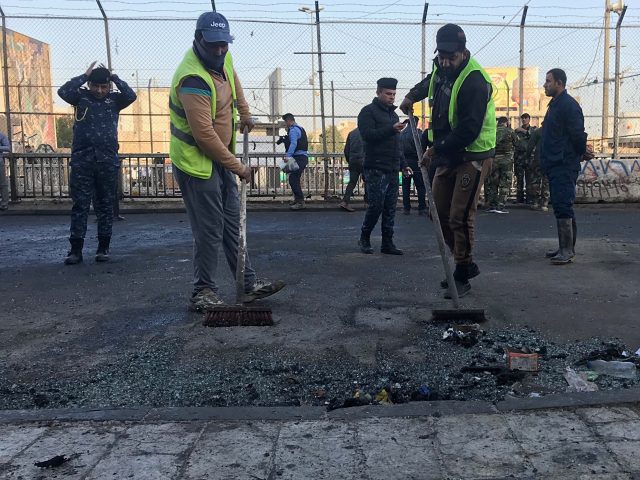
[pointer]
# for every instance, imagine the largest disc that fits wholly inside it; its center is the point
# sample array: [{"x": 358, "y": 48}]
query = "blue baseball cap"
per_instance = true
[{"x": 214, "y": 28}]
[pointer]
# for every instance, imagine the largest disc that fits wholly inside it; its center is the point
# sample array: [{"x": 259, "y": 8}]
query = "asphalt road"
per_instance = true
[{"x": 119, "y": 334}]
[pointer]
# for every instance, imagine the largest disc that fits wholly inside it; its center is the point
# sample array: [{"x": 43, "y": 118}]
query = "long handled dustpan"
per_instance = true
[
  {"x": 457, "y": 313},
  {"x": 239, "y": 314}
]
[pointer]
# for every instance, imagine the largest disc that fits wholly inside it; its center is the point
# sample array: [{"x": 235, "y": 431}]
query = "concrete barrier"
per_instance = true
[{"x": 607, "y": 180}]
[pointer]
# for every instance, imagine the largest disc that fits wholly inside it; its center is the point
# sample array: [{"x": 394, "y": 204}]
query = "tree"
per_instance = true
[
  {"x": 64, "y": 131},
  {"x": 315, "y": 144}
]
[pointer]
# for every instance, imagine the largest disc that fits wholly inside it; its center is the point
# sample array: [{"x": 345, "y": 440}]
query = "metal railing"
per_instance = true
[{"x": 46, "y": 176}]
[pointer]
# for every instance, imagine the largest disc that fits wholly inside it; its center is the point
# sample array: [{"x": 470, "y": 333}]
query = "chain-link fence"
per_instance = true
[
  {"x": 323, "y": 72},
  {"x": 279, "y": 67}
]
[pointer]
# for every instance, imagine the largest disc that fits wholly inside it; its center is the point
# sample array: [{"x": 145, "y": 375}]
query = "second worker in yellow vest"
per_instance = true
[{"x": 462, "y": 127}]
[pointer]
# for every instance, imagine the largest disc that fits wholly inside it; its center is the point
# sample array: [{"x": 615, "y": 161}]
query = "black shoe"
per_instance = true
[
  {"x": 365, "y": 244},
  {"x": 472, "y": 271},
  {"x": 463, "y": 289},
  {"x": 74, "y": 256},
  {"x": 423, "y": 212},
  {"x": 388, "y": 247},
  {"x": 406, "y": 211},
  {"x": 102, "y": 254}
]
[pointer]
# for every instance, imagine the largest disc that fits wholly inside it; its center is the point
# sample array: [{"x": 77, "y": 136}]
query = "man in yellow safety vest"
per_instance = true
[
  {"x": 204, "y": 101},
  {"x": 462, "y": 127}
]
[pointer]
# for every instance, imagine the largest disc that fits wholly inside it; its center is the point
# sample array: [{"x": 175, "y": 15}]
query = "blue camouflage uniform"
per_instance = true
[{"x": 94, "y": 153}]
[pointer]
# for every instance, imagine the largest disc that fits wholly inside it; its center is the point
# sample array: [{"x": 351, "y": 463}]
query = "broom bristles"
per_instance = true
[{"x": 238, "y": 316}]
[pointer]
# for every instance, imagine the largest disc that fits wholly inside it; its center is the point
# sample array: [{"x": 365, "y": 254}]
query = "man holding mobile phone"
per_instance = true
[{"x": 380, "y": 128}]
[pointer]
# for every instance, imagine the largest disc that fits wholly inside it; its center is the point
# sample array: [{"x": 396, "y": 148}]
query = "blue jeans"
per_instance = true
[
  {"x": 294, "y": 178},
  {"x": 382, "y": 192},
  {"x": 562, "y": 186}
]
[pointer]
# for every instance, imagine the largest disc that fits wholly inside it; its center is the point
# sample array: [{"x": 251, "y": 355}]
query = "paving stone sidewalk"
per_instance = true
[{"x": 580, "y": 443}]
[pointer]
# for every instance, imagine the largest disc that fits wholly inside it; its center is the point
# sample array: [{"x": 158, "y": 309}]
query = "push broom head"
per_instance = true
[
  {"x": 238, "y": 316},
  {"x": 471, "y": 316}
]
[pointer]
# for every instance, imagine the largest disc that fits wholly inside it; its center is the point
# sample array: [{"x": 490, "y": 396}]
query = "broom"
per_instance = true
[
  {"x": 240, "y": 315},
  {"x": 456, "y": 313}
]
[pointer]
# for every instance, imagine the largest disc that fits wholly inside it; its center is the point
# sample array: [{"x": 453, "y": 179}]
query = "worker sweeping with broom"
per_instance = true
[
  {"x": 205, "y": 100},
  {"x": 462, "y": 128}
]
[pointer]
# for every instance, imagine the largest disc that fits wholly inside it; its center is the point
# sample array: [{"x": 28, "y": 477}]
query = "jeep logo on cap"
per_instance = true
[{"x": 219, "y": 25}]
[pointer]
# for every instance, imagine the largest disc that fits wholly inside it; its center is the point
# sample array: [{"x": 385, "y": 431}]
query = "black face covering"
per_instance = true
[{"x": 212, "y": 62}]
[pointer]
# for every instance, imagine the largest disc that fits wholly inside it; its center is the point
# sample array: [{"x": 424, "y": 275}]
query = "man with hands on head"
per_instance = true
[{"x": 94, "y": 154}]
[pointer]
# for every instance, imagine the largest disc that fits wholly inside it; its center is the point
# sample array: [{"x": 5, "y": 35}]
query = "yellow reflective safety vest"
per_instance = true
[
  {"x": 183, "y": 149},
  {"x": 486, "y": 140}
]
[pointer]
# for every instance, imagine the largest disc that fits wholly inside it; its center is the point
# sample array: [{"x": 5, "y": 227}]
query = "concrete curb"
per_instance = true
[
  {"x": 176, "y": 206},
  {"x": 412, "y": 409}
]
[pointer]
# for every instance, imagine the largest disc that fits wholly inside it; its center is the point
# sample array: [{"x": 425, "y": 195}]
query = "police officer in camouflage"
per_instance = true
[
  {"x": 94, "y": 154},
  {"x": 538, "y": 186},
  {"x": 522, "y": 161},
  {"x": 498, "y": 183}
]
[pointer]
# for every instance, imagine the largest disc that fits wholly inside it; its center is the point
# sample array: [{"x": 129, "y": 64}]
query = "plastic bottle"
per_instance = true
[{"x": 613, "y": 368}]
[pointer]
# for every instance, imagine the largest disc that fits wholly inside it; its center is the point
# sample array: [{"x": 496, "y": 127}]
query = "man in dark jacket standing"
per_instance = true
[
  {"x": 462, "y": 128},
  {"x": 354, "y": 154},
  {"x": 562, "y": 146},
  {"x": 380, "y": 128}
]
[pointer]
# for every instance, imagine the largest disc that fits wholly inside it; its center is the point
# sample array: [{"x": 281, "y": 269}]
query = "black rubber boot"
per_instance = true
[
  {"x": 553, "y": 253},
  {"x": 102, "y": 254},
  {"x": 365, "y": 243},
  {"x": 566, "y": 252},
  {"x": 74, "y": 256},
  {"x": 472, "y": 271},
  {"x": 388, "y": 247}
]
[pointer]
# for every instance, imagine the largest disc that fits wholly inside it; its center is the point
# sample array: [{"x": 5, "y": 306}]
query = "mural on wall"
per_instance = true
[
  {"x": 30, "y": 90},
  {"x": 607, "y": 180}
]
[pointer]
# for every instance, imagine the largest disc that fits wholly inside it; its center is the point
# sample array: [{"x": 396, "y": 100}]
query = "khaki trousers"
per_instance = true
[{"x": 456, "y": 192}]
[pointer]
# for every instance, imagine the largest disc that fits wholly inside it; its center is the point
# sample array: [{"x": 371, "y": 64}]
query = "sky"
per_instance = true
[{"x": 374, "y": 38}]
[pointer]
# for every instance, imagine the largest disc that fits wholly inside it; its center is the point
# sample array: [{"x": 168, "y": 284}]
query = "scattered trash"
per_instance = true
[
  {"x": 637, "y": 352},
  {"x": 613, "y": 368},
  {"x": 424, "y": 394},
  {"x": 509, "y": 377},
  {"x": 521, "y": 360},
  {"x": 592, "y": 376},
  {"x": 383, "y": 397},
  {"x": 611, "y": 352},
  {"x": 577, "y": 383},
  {"x": 53, "y": 462},
  {"x": 465, "y": 335}
]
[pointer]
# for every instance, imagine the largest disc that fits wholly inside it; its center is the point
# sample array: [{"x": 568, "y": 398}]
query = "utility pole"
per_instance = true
[
  {"x": 312, "y": 78},
  {"x": 150, "y": 115},
  {"x": 616, "y": 99},
  {"x": 521, "y": 75},
  {"x": 605, "y": 77},
  {"x": 213, "y": 5}
]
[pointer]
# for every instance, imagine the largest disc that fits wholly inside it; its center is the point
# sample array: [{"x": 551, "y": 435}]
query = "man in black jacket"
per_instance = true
[
  {"x": 380, "y": 128},
  {"x": 462, "y": 127}
]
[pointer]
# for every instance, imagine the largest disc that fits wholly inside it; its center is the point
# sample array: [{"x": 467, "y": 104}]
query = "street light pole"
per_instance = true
[{"x": 312, "y": 79}]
